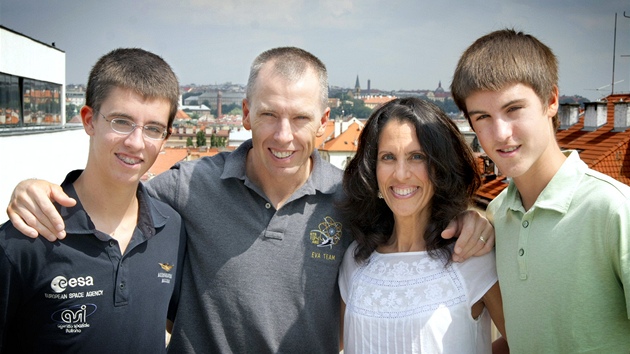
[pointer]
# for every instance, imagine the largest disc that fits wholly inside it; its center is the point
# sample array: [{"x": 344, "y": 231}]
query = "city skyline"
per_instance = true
[{"x": 398, "y": 45}]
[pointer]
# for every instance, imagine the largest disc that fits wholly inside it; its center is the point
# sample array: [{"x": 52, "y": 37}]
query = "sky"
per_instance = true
[{"x": 396, "y": 44}]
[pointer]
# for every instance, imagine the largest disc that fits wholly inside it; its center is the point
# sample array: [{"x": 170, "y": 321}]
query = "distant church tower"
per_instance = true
[
  {"x": 439, "y": 88},
  {"x": 357, "y": 88}
]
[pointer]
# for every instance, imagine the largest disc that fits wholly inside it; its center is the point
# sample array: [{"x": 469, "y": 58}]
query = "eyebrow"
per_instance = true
[
  {"x": 506, "y": 105},
  {"x": 125, "y": 115},
  {"x": 265, "y": 108}
]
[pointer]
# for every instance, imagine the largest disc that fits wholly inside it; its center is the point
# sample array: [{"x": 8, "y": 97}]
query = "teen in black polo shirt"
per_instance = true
[{"x": 110, "y": 285}]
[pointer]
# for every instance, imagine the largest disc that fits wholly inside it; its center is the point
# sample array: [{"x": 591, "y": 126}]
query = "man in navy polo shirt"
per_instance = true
[{"x": 110, "y": 285}]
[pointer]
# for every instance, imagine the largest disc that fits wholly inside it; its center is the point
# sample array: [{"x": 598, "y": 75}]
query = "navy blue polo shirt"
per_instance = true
[{"x": 82, "y": 294}]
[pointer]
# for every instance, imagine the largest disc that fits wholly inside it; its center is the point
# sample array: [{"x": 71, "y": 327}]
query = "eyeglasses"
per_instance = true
[{"x": 126, "y": 126}]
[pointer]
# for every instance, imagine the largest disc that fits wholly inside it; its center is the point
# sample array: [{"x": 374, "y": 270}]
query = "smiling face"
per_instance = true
[
  {"x": 402, "y": 171},
  {"x": 285, "y": 117},
  {"x": 118, "y": 159},
  {"x": 516, "y": 130}
]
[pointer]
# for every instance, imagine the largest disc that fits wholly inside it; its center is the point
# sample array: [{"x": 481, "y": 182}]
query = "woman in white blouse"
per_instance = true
[{"x": 412, "y": 174}]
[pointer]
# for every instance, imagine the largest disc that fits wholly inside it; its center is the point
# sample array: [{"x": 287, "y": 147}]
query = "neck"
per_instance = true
[
  {"x": 534, "y": 181},
  {"x": 112, "y": 208},
  {"x": 407, "y": 236}
]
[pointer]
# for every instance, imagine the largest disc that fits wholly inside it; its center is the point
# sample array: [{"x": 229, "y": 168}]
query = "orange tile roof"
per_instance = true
[
  {"x": 181, "y": 115},
  {"x": 170, "y": 156},
  {"x": 346, "y": 141},
  {"x": 602, "y": 150},
  {"x": 167, "y": 158}
]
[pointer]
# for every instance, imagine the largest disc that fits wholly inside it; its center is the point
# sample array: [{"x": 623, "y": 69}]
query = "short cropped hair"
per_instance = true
[
  {"x": 290, "y": 63},
  {"x": 135, "y": 69},
  {"x": 502, "y": 58},
  {"x": 452, "y": 171}
]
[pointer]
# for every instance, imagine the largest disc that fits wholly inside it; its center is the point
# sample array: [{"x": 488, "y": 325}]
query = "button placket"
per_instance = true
[{"x": 522, "y": 246}]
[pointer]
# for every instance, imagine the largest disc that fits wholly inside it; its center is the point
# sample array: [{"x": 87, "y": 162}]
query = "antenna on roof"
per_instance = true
[
  {"x": 614, "y": 49},
  {"x": 599, "y": 89}
]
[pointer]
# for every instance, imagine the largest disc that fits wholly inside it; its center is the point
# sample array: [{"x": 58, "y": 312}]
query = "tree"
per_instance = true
[
  {"x": 71, "y": 111},
  {"x": 236, "y": 111},
  {"x": 217, "y": 141},
  {"x": 189, "y": 142},
  {"x": 227, "y": 109},
  {"x": 201, "y": 138}
]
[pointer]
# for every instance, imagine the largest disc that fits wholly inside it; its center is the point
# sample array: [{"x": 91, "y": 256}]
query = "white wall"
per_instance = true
[
  {"x": 25, "y": 57},
  {"x": 22, "y": 56},
  {"x": 49, "y": 156},
  {"x": 339, "y": 158}
]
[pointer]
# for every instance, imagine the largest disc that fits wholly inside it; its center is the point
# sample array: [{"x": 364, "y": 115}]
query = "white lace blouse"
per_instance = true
[{"x": 410, "y": 303}]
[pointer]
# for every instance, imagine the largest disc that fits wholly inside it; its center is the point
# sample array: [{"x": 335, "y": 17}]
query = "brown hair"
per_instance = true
[
  {"x": 501, "y": 58},
  {"x": 136, "y": 69}
]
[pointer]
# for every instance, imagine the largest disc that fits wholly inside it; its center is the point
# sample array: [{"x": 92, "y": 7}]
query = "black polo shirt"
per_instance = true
[{"x": 81, "y": 294}]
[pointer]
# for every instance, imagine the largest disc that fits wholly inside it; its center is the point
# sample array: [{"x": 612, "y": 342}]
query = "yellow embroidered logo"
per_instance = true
[
  {"x": 328, "y": 234},
  {"x": 167, "y": 267}
]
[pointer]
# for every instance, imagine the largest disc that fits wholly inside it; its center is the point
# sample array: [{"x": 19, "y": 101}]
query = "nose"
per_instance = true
[
  {"x": 284, "y": 132},
  {"x": 135, "y": 139},
  {"x": 502, "y": 129},
  {"x": 402, "y": 170}
]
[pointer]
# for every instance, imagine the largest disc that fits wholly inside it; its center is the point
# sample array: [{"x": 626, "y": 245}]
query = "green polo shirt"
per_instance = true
[{"x": 563, "y": 265}]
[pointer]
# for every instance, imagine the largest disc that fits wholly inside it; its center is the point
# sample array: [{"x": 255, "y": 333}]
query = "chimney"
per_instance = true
[
  {"x": 219, "y": 104},
  {"x": 337, "y": 127},
  {"x": 568, "y": 115},
  {"x": 594, "y": 115},
  {"x": 622, "y": 116}
]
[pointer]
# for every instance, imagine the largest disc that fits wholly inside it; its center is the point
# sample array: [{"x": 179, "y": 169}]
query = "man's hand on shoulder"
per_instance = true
[
  {"x": 32, "y": 212},
  {"x": 475, "y": 235}
]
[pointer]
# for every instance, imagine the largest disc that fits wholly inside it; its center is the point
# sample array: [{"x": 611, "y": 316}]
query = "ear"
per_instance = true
[
  {"x": 87, "y": 118},
  {"x": 323, "y": 122},
  {"x": 554, "y": 102},
  {"x": 247, "y": 124}
]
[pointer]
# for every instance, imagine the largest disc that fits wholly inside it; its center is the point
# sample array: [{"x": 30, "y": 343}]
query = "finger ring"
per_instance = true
[{"x": 482, "y": 239}]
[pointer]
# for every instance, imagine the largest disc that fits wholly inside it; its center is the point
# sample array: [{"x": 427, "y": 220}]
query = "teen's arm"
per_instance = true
[
  {"x": 32, "y": 212},
  {"x": 494, "y": 303},
  {"x": 475, "y": 235}
]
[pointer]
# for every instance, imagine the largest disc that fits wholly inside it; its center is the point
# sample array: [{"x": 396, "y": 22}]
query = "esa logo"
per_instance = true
[{"x": 60, "y": 283}]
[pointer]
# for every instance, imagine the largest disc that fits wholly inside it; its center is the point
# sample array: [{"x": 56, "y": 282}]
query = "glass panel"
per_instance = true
[
  {"x": 42, "y": 103},
  {"x": 9, "y": 100}
]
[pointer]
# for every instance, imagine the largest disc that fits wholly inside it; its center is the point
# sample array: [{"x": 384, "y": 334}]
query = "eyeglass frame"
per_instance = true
[{"x": 165, "y": 134}]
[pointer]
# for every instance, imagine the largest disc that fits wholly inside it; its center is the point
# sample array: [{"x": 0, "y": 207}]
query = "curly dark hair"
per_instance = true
[{"x": 452, "y": 171}]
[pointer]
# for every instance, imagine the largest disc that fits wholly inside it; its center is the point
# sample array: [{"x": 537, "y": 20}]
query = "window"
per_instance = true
[
  {"x": 9, "y": 101},
  {"x": 27, "y": 102}
]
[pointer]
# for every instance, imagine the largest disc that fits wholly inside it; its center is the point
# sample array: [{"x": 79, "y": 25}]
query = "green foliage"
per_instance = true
[
  {"x": 447, "y": 106},
  {"x": 189, "y": 142},
  {"x": 351, "y": 107},
  {"x": 217, "y": 141},
  {"x": 237, "y": 111},
  {"x": 201, "y": 138},
  {"x": 573, "y": 99},
  {"x": 71, "y": 111},
  {"x": 227, "y": 109}
]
